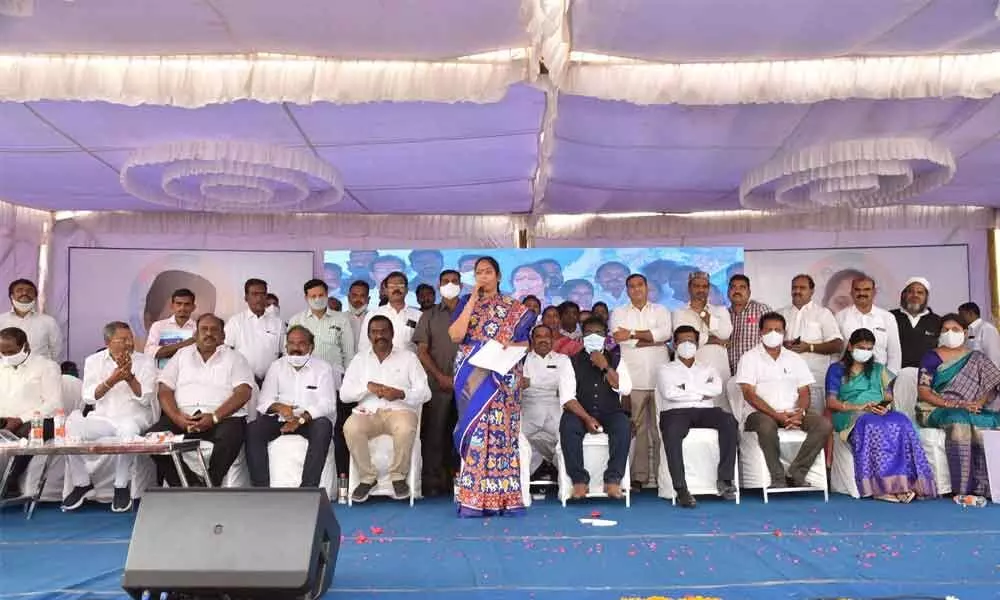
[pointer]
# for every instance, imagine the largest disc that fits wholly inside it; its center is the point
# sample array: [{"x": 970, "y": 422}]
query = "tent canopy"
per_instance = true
[{"x": 439, "y": 107}]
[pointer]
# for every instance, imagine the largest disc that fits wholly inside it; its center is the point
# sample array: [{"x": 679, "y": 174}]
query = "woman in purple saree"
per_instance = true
[{"x": 489, "y": 404}]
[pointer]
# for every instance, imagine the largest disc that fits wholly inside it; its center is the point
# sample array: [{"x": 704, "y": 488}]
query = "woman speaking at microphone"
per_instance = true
[{"x": 489, "y": 404}]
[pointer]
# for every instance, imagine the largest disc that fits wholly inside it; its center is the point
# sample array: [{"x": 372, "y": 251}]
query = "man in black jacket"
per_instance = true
[{"x": 919, "y": 326}]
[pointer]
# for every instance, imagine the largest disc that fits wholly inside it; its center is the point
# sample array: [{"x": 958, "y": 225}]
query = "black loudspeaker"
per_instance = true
[{"x": 251, "y": 543}]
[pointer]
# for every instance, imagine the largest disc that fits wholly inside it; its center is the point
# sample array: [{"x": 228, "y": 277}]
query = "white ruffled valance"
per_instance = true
[
  {"x": 790, "y": 81},
  {"x": 595, "y": 230},
  {"x": 194, "y": 81}
]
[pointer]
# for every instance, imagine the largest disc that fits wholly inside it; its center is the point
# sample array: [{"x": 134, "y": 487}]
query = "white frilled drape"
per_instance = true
[
  {"x": 20, "y": 236},
  {"x": 265, "y": 232}
]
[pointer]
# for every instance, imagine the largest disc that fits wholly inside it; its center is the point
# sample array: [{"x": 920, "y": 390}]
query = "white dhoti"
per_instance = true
[
  {"x": 95, "y": 427},
  {"x": 540, "y": 424}
]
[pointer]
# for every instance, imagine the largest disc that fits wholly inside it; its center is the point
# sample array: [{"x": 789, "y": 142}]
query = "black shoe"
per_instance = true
[
  {"x": 685, "y": 499},
  {"x": 400, "y": 490},
  {"x": 777, "y": 484},
  {"x": 727, "y": 490},
  {"x": 636, "y": 487},
  {"x": 362, "y": 491},
  {"x": 122, "y": 501},
  {"x": 75, "y": 498}
]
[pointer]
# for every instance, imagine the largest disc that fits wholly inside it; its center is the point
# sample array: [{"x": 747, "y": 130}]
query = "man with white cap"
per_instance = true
[{"x": 919, "y": 326}]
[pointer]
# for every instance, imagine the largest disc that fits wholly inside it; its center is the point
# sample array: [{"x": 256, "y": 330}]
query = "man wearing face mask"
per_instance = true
[
  {"x": 255, "y": 333},
  {"x": 42, "y": 331},
  {"x": 404, "y": 318},
  {"x": 120, "y": 383},
  {"x": 297, "y": 399},
  {"x": 436, "y": 352},
  {"x": 358, "y": 297},
  {"x": 685, "y": 398},
  {"x": 864, "y": 314},
  {"x": 775, "y": 383},
  {"x": 602, "y": 379},
  {"x": 547, "y": 380},
  {"x": 333, "y": 337},
  {"x": 29, "y": 383},
  {"x": 918, "y": 325}
]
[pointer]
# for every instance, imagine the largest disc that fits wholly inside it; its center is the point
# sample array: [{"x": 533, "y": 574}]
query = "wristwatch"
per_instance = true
[
  {"x": 604, "y": 371},
  {"x": 302, "y": 420},
  {"x": 631, "y": 334},
  {"x": 215, "y": 419}
]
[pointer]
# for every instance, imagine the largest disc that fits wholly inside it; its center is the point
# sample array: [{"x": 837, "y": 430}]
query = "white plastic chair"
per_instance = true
[
  {"x": 286, "y": 456},
  {"x": 596, "y": 453},
  {"x": 701, "y": 466},
  {"x": 380, "y": 448},
  {"x": 753, "y": 468},
  {"x": 525, "y": 452}
]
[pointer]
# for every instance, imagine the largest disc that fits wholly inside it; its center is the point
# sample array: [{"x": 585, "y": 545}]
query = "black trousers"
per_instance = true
[
  {"x": 19, "y": 464},
  {"x": 341, "y": 453},
  {"x": 227, "y": 440},
  {"x": 436, "y": 441},
  {"x": 267, "y": 428},
  {"x": 674, "y": 427},
  {"x": 571, "y": 432}
]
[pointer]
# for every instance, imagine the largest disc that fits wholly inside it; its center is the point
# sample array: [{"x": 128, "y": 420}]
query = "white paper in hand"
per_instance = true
[{"x": 492, "y": 356}]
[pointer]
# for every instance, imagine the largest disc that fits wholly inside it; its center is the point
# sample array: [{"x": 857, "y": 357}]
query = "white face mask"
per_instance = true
[
  {"x": 450, "y": 290},
  {"x": 23, "y": 306},
  {"x": 298, "y": 361},
  {"x": 14, "y": 360},
  {"x": 687, "y": 350},
  {"x": 593, "y": 342},
  {"x": 271, "y": 310},
  {"x": 318, "y": 303},
  {"x": 772, "y": 339},
  {"x": 952, "y": 339},
  {"x": 861, "y": 355}
]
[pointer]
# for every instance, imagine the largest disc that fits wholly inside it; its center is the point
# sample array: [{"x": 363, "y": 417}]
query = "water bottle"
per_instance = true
[
  {"x": 35, "y": 437},
  {"x": 59, "y": 427},
  {"x": 342, "y": 489},
  {"x": 976, "y": 501}
]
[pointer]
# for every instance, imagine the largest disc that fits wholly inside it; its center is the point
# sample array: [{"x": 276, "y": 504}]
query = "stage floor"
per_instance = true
[{"x": 794, "y": 547}]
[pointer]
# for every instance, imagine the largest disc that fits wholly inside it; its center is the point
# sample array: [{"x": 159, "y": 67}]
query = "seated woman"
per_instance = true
[
  {"x": 954, "y": 385},
  {"x": 889, "y": 463}
]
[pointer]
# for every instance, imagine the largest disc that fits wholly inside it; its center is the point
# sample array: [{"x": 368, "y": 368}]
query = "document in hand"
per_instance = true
[{"x": 494, "y": 357}]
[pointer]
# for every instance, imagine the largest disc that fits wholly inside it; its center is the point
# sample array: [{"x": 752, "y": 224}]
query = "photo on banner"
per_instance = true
[
  {"x": 945, "y": 267},
  {"x": 583, "y": 275},
  {"x": 135, "y": 286}
]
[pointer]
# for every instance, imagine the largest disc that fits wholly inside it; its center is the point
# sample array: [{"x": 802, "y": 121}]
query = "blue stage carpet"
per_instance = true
[{"x": 794, "y": 547}]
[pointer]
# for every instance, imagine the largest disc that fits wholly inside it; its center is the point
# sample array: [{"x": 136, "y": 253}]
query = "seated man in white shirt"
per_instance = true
[
  {"x": 775, "y": 383},
  {"x": 203, "y": 394},
  {"x": 256, "y": 333},
  {"x": 685, "y": 398},
  {"x": 389, "y": 385},
  {"x": 297, "y": 399},
  {"x": 547, "y": 379},
  {"x": 120, "y": 383},
  {"x": 29, "y": 383}
]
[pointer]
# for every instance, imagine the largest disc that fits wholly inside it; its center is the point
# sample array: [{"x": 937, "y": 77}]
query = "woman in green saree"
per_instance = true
[
  {"x": 889, "y": 463},
  {"x": 955, "y": 385}
]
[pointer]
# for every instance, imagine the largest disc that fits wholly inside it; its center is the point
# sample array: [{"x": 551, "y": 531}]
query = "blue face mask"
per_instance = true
[{"x": 593, "y": 342}]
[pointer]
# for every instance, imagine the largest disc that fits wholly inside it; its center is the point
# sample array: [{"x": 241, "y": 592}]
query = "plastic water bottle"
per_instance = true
[
  {"x": 976, "y": 501},
  {"x": 342, "y": 489},
  {"x": 59, "y": 427},
  {"x": 35, "y": 437}
]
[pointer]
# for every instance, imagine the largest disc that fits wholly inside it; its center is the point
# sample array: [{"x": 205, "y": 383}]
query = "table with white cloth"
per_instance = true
[{"x": 174, "y": 448}]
